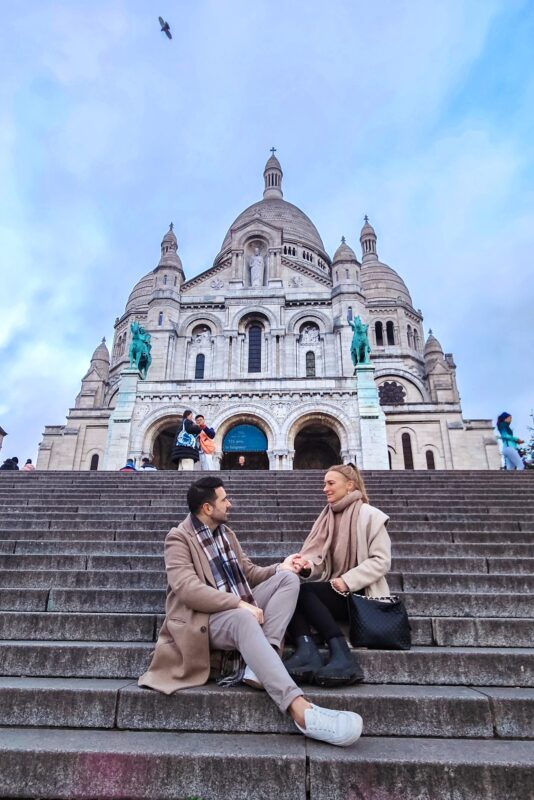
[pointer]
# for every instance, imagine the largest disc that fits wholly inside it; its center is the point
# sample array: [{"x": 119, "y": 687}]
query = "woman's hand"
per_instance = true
[
  {"x": 339, "y": 585},
  {"x": 293, "y": 563}
]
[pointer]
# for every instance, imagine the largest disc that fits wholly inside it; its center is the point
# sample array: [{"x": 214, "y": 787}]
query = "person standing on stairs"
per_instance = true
[
  {"x": 218, "y": 600},
  {"x": 185, "y": 450},
  {"x": 347, "y": 550},
  {"x": 512, "y": 459}
]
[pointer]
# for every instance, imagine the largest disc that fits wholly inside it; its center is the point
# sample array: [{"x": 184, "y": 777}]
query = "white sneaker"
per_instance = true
[
  {"x": 328, "y": 725},
  {"x": 251, "y": 680}
]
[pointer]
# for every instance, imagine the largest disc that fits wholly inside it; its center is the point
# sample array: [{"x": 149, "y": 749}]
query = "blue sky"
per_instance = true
[{"x": 417, "y": 113}]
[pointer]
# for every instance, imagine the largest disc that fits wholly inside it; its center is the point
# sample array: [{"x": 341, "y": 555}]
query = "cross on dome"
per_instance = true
[{"x": 273, "y": 150}]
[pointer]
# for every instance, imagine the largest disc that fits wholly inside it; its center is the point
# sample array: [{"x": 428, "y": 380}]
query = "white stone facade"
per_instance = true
[{"x": 263, "y": 338}]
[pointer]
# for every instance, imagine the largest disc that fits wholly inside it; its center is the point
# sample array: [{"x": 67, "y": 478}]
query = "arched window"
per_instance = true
[
  {"x": 164, "y": 280},
  {"x": 389, "y": 332},
  {"x": 94, "y": 462},
  {"x": 310, "y": 364},
  {"x": 407, "y": 451},
  {"x": 410, "y": 336},
  {"x": 160, "y": 318},
  {"x": 254, "y": 348},
  {"x": 199, "y": 366},
  {"x": 415, "y": 339},
  {"x": 379, "y": 334},
  {"x": 430, "y": 462}
]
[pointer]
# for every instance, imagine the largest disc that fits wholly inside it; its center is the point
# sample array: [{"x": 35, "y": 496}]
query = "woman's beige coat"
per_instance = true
[
  {"x": 373, "y": 549},
  {"x": 182, "y": 655}
]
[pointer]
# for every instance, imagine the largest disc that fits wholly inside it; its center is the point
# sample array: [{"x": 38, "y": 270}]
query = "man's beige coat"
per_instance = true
[{"x": 182, "y": 655}]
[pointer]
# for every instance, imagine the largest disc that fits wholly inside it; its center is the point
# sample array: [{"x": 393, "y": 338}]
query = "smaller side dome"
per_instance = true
[
  {"x": 433, "y": 349},
  {"x": 101, "y": 353},
  {"x": 169, "y": 251},
  {"x": 140, "y": 294},
  {"x": 344, "y": 254}
]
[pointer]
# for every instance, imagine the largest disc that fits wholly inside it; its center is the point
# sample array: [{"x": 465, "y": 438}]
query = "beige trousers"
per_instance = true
[
  {"x": 186, "y": 464},
  {"x": 237, "y": 629}
]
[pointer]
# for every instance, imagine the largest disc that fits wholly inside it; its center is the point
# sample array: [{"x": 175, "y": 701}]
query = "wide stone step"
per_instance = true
[
  {"x": 413, "y": 582},
  {"x": 155, "y": 563},
  {"x": 97, "y": 627},
  {"x": 66, "y": 764},
  {"x": 153, "y": 601},
  {"x": 103, "y": 626},
  {"x": 393, "y": 710},
  {"x": 504, "y": 552},
  {"x": 53, "y": 763},
  {"x": 421, "y": 665}
]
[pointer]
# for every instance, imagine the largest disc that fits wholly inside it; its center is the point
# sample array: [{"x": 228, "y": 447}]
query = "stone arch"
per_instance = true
[
  {"x": 153, "y": 424},
  {"x": 326, "y": 432},
  {"x": 438, "y": 460},
  {"x": 251, "y": 312},
  {"x": 407, "y": 379},
  {"x": 200, "y": 318},
  {"x": 94, "y": 453},
  {"x": 311, "y": 413},
  {"x": 249, "y": 415},
  {"x": 245, "y": 416},
  {"x": 294, "y": 322},
  {"x": 256, "y": 229}
]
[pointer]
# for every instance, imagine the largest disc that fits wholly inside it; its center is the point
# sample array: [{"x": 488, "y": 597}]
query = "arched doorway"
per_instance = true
[
  {"x": 245, "y": 447},
  {"x": 163, "y": 444},
  {"x": 317, "y": 446}
]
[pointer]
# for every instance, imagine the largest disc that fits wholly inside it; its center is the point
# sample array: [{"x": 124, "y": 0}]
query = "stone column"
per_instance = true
[
  {"x": 372, "y": 420},
  {"x": 120, "y": 421}
]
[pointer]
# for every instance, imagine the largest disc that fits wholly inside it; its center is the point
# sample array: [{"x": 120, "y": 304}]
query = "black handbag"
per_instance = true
[{"x": 378, "y": 623}]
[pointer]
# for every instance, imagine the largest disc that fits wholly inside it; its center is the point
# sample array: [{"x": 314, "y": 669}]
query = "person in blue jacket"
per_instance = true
[{"x": 512, "y": 459}]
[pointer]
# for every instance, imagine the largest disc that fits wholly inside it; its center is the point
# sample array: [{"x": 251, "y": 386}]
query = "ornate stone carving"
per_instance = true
[
  {"x": 391, "y": 393},
  {"x": 217, "y": 284},
  {"x": 309, "y": 334},
  {"x": 257, "y": 268},
  {"x": 295, "y": 281}
]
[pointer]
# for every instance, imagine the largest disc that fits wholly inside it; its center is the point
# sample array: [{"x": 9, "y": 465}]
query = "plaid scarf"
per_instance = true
[{"x": 228, "y": 577}]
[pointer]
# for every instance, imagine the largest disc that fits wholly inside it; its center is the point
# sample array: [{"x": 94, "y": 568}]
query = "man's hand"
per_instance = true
[
  {"x": 340, "y": 585},
  {"x": 254, "y": 610},
  {"x": 293, "y": 563}
]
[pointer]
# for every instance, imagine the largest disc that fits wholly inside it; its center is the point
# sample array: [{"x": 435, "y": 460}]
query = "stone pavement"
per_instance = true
[{"x": 82, "y": 591}]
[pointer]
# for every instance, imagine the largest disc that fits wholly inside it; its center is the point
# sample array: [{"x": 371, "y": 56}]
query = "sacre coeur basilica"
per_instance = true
[{"x": 260, "y": 344}]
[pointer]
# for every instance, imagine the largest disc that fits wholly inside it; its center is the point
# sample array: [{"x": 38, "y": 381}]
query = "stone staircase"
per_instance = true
[{"x": 82, "y": 591}]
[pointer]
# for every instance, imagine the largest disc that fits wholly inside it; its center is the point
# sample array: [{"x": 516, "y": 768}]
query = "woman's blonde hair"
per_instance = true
[{"x": 351, "y": 473}]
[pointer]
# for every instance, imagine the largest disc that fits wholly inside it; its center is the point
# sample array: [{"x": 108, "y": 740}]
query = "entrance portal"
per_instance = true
[
  {"x": 245, "y": 447},
  {"x": 316, "y": 447},
  {"x": 163, "y": 448}
]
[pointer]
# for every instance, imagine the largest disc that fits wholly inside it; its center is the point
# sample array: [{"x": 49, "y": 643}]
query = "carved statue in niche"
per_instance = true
[
  {"x": 256, "y": 267},
  {"x": 309, "y": 334},
  {"x": 201, "y": 335}
]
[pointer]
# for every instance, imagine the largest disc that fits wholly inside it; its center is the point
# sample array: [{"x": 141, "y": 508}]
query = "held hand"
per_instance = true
[
  {"x": 304, "y": 563},
  {"x": 254, "y": 610},
  {"x": 340, "y": 585},
  {"x": 292, "y": 563}
]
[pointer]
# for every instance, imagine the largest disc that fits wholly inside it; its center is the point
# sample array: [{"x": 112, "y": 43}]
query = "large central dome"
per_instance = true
[
  {"x": 296, "y": 227},
  {"x": 277, "y": 211}
]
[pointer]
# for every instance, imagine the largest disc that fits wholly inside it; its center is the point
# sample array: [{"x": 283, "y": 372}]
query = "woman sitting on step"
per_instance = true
[{"x": 347, "y": 550}]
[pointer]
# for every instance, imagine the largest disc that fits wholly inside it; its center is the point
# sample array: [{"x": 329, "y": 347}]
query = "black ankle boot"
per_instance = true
[
  {"x": 342, "y": 668},
  {"x": 305, "y": 661}
]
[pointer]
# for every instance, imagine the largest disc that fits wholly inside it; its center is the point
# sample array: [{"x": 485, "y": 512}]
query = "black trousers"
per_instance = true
[{"x": 319, "y": 607}]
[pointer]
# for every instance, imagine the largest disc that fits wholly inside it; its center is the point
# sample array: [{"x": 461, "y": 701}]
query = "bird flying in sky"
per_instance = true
[{"x": 165, "y": 27}]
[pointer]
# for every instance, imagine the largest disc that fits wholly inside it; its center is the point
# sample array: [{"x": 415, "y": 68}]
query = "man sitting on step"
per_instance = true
[{"x": 218, "y": 600}]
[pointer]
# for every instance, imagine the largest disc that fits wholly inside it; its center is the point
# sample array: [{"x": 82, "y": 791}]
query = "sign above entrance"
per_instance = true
[{"x": 244, "y": 439}]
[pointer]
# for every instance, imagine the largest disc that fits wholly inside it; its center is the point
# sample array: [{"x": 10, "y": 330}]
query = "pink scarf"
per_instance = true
[{"x": 331, "y": 543}]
